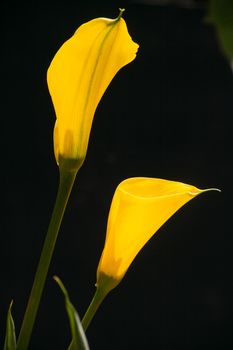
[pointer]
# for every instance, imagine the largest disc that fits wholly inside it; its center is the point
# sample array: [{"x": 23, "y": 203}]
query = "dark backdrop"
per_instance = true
[{"x": 168, "y": 115}]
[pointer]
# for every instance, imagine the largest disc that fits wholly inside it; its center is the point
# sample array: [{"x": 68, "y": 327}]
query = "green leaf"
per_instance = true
[
  {"x": 221, "y": 15},
  {"x": 79, "y": 340},
  {"x": 10, "y": 339}
]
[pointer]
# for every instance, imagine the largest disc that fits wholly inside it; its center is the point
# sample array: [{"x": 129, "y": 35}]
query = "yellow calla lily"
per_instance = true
[
  {"x": 78, "y": 76},
  {"x": 140, "y": 206}
]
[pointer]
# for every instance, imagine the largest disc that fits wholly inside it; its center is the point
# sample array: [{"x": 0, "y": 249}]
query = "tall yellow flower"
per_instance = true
[
  {"x": 140, "y": 206},
  {"x": 77, "y": 78}
]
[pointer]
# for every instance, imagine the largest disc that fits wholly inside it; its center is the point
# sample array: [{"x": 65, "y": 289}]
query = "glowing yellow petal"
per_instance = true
[
  {"x": 78, "y": 76},
  {"x": 140, "y": 206}
]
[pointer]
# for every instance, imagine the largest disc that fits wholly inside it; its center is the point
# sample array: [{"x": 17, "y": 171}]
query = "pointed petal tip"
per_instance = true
[
  {"x": 121, "y": 12},
  {"x": 192, "y": 193},
  {"x": 212, "y": 189}
]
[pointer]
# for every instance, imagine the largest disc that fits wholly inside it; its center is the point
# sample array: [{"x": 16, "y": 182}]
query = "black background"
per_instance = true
[{"x": 168, "y": 115}]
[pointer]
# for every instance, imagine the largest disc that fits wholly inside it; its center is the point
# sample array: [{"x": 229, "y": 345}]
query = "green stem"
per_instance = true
[
  {"x": 93, "y": 307},
  {"x": 66, "y": 183}
]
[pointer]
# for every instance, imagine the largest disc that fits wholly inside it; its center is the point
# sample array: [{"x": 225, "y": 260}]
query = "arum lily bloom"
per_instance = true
[
  {"x": 140, "y": 206},
  {"x": 77, "y": 78}
]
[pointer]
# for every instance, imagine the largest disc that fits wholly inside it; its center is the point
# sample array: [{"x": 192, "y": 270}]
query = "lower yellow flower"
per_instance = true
[{"x": 140, "y": 206}]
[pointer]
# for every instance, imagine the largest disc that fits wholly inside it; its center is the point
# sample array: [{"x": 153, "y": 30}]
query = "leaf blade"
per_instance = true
[
  {"x": 79, "y": 340},
  {"x": 10, "y": 338}
]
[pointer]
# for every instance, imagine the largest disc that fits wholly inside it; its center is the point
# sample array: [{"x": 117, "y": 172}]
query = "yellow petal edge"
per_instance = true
[
  {"x": 78, "y": 76},
  {"x": 140, "y": 206}
]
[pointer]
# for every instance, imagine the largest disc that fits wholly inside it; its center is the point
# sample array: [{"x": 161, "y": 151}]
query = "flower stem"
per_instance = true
[
  {"x": 65, "y": 186},
  {"x": 93, "y": 307}
]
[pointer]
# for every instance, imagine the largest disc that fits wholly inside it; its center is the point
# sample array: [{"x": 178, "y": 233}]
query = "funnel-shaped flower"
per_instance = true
[
  {"x": 140, "y": 206},
  {"x": 77, "y": 78}
]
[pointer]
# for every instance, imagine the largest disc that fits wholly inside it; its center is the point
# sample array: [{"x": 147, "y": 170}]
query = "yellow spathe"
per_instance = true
[
  {"x": 140, "y": 206},
  {"x": 77, "y": 78}
]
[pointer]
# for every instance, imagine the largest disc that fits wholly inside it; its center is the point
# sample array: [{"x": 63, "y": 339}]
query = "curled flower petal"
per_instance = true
[
  {"x": 140, "y": 206},
  {"x": 78, "y": 76}
]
